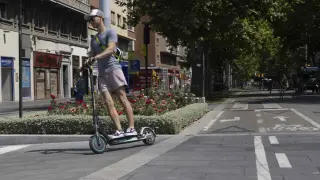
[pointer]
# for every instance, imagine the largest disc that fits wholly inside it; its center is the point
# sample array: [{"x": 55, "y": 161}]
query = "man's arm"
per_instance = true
[{"x": 112, "y": 40}]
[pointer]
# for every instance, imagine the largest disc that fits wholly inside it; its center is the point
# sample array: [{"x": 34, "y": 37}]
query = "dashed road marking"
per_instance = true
[
  {"x": 271, "y": 106},
  {"x": 263, "y": 171},
  {"x": 213, "y": 121},
  {"x": 273, "y": 140},
  {"x": 240, "y": 106},
  {"x": 260, "y": 121},
  {"x": 283, "y": 160},
  {"x": 281, "y": 109},
  {"x": 258, "y": 115}
]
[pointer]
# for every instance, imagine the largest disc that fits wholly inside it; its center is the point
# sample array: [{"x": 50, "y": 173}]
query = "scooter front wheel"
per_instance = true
[
  {"x": 150, "y": 137},
  {"x": 96, "y": 147}
]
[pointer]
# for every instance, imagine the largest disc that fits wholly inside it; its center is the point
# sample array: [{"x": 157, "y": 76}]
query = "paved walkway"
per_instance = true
[
  {"x": 245, "y": 138},
  {"x": 9, "y": 106}
]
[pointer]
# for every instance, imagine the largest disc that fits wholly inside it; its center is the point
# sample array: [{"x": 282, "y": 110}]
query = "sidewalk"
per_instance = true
[{"x": 10, "y": 106}]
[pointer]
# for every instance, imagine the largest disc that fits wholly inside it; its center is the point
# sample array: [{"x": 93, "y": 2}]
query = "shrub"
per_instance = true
[{"x": 169, "y": 123}]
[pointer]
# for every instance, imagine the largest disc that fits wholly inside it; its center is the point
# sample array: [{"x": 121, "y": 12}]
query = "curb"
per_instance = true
[
  {"x": 20, "y": 139},
  {"x": 15, "y": 139}
]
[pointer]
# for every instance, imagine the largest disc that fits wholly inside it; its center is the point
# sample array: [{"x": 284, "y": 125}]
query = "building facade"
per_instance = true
[
  {"x": 168, "y": 62},
  {"x": 54, "y": 41}
]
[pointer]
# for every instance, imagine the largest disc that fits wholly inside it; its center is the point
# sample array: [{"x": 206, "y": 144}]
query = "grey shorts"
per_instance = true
[{"x": 111, "y": 81}]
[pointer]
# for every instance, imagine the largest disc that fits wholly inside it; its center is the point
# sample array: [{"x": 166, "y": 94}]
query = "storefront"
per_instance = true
[
  {"x": 7, "y": 78},
  {"x": 46, "y": 75},
  {"x": 174, "y": 78}
]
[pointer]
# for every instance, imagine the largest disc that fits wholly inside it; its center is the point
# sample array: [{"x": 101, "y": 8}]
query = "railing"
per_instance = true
[{"x": 82, "y": 5}]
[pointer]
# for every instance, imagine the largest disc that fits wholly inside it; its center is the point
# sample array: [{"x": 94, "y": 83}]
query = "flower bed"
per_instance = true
[
  {"x": 168, "y": 123},
  {"x": 157, "y": 103}
]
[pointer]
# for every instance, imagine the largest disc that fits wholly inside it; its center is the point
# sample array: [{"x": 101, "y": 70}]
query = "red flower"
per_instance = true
[
  {"x": 79, "y": 102},
  {"x": 141, "y": 95},
  {"x": 133, "y": 100},
  {"x": 120, "y": 113},
  {"x": 148, "y": 101},
  {"x": 85, "y": 105},
  {"x": 61, "y": 107},
  {"x": 52, "y": 96},
  {"x": 49, "y": 108},
  {"x": 169, "y": 94}
]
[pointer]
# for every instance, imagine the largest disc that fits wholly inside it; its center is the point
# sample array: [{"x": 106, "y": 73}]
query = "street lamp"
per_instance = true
[{"x": 20, "y": 58}]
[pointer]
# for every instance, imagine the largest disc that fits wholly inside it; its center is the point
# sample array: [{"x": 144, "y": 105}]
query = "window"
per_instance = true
[
  {"x": 124, "y": 23},
  {"x": 130, "y": 28},
  {"x": 113, "y": 21},
  {"x": 64, "y": 27},
  {"x": 53, "y": 23},
  {"x": 37, "y": 19},
  {"x": 3, "y": 11},
  {"x": 119, "y": 20},
  {"x": 25, "y": 13}
]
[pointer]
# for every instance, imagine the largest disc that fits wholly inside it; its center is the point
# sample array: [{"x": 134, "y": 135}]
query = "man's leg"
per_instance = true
[
  {"x": 122, "y": 96},
  {"x": 111, "y": 109},
  {"x": 118, "y": 83},
  {"x": 110, "y": 106}
]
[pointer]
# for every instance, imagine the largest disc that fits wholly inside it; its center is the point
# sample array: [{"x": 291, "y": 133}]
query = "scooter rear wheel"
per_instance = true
[{"x": 95, "y": 147}]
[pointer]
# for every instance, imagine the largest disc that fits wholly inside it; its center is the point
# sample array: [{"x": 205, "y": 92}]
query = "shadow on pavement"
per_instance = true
[{"x": 83, "y": 151}]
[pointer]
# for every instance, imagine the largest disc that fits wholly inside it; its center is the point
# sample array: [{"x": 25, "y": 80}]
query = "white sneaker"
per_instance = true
[
  {"x": 117, "y": 134},
  {"x": 130, "y": 132}
]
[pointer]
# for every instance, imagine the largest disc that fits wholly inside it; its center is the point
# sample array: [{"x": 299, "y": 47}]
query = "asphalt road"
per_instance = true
[{"x": 253, "y": 137}]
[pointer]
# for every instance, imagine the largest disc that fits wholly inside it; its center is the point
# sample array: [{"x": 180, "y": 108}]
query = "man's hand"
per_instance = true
[{"x": 91, "y": 61}]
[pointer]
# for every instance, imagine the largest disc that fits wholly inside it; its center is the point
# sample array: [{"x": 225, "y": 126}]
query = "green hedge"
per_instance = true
[{"x": 170, "y": 123}]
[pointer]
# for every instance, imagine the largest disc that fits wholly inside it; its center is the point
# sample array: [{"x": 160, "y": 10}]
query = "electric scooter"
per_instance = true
[{"x": 99, "y": 141}]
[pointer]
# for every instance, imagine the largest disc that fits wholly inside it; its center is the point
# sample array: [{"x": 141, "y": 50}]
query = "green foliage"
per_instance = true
[{"x": 169, "y": 123}]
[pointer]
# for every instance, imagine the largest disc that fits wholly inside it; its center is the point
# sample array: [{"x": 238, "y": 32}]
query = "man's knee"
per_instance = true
[
  {"x": 122, "y": 96},
  {"x": 108, "y": 99}
]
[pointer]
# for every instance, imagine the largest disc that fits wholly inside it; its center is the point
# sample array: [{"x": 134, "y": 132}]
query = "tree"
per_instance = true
[{"x": 235, "y": 32}]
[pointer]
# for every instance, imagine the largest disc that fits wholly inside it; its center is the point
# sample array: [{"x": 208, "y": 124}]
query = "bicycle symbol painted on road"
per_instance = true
[{"x": 293, "y": 127}]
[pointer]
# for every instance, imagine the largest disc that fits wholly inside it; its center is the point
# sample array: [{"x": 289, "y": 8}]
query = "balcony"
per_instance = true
[{"x": 82, "y": 6}]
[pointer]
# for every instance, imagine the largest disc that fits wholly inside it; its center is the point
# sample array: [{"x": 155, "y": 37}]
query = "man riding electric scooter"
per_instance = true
[{"x": 111, "y": 78}]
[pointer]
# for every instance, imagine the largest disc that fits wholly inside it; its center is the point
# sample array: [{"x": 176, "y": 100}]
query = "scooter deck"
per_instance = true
[{"x": 124, "y": 140}]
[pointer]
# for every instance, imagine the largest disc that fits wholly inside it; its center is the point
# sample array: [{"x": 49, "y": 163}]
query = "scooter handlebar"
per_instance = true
[{"x": 87, "y": 65}]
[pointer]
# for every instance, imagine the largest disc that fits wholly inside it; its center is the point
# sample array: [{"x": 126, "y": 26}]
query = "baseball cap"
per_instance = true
[{"x": 94, "y": 12}]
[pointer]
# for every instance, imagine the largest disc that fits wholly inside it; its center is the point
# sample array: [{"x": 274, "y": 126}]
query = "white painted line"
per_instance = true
[
  {"x": 260, "y": 121},
  {"x": 271, "y": 106},
  {"x": 122, "y": 168},
  {"x": 228, "y": 120},
  {"x": 315, "y": 124},
  {"x": 262, "y": 130},
  {"x": 283, "y": 160},
  {"x": 212, "y": 121},
  {"x": 273, "y": 140},
  {"x": 11, "y": 148},
  {"x": 263, "y": 172},
  {"x": 281, "y": 109},
  {"x": 240, "y": 106},
  {"x": 258, "y": 115},
  {"x": 281, "y": 118}
]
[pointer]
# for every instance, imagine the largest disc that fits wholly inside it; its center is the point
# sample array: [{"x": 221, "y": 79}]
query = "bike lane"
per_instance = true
[{"x": 289, "y": 120}]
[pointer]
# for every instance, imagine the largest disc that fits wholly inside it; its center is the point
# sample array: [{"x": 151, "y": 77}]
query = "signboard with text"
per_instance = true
[{"x": 47, "y": 60}]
